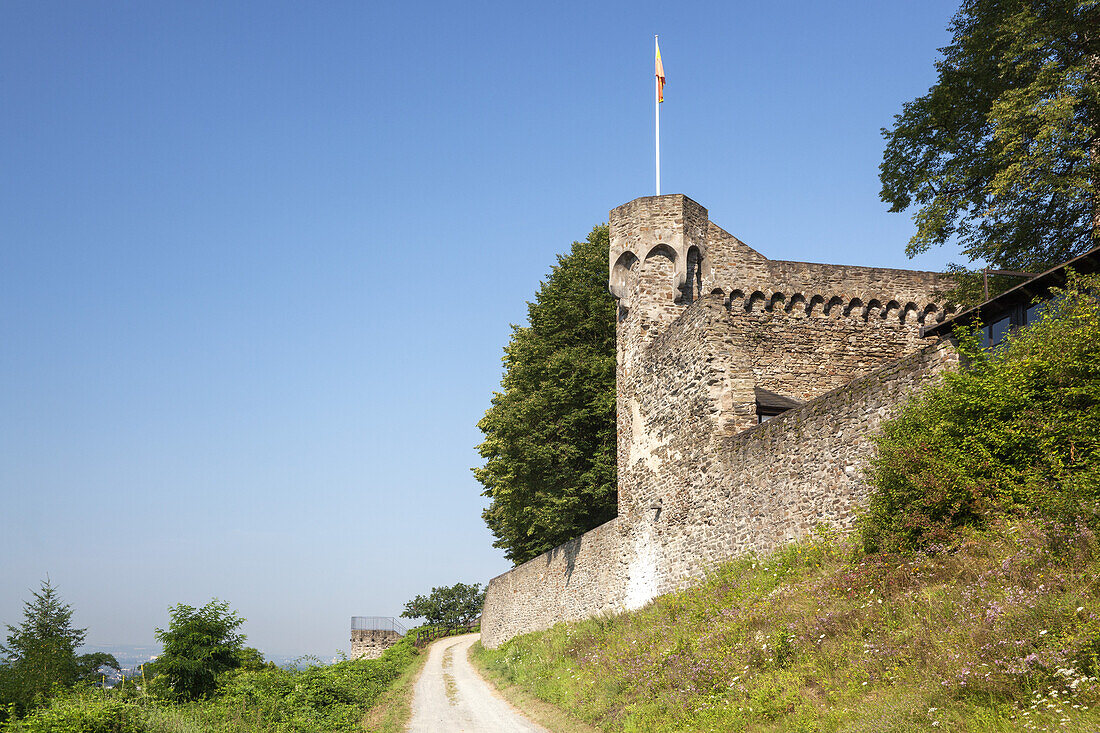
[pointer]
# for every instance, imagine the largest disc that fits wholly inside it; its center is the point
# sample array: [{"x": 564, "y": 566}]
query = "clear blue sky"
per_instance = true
[{"x": 258, "y": 261}]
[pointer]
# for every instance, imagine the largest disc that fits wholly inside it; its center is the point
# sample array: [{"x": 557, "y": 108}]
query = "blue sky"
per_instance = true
[{"x": 258, "y": 261}]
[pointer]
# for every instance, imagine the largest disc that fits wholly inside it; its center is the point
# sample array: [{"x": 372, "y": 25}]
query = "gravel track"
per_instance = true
[{"x": 451, "y": 696}]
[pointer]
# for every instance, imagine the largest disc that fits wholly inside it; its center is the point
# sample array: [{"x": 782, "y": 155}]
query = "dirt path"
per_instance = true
[{"x": 451, "y": 696}]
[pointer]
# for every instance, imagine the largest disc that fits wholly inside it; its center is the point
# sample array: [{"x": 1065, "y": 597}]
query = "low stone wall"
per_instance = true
[
  {"x": 371, "y": 643},
  {"x": 582, "y": 578}
]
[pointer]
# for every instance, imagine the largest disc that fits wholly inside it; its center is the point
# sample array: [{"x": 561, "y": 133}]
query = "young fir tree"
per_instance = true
[{"x": 40, "y": 654}]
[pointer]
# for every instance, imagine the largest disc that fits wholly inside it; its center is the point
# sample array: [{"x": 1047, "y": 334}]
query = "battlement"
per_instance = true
[
  {"x": 666, "y": 253},
  {"x": 867, "y": 308}
]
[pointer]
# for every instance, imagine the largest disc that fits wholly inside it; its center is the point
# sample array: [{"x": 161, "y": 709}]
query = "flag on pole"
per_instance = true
[{"x": 659, "y": 68}]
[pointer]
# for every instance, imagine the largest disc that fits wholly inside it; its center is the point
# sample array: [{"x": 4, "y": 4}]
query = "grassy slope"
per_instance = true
[{"x": 1000, "y": 632}]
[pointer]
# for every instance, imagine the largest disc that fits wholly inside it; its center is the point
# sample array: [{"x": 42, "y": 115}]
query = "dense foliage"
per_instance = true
[
  {"x": 40, "y": 654},
  {"x": 448, "y": 606},
  {"x": 1003, "y": 152},
  {"x": 199, "y": 644},
  {"x": 1013, "y": 433},
  {"x": 549, "y": 444},
  {"x": 329, "y": 698}
]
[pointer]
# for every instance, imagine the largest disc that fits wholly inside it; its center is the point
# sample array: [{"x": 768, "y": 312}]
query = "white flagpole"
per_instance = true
[{"x": 657, "y": 117}]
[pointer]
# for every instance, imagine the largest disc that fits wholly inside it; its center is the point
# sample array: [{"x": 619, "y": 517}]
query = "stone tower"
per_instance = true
[
  {"x": 659, "y": 265},
  {"x": 658, "y": 260}
]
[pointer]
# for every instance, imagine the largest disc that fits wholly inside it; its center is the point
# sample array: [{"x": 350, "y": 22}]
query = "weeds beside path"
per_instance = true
[
  {"x": 547, "y": 715},
  {"x": 393, "y": 708}
]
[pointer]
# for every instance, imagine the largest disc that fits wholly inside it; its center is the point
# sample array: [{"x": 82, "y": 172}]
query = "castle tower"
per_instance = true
[
  {"x": 658, "y": 262},
  {"x": 659, "y": 265}
]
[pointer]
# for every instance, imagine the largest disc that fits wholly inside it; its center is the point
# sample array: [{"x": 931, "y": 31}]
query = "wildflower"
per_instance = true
[{"x": 1043, "y": 632}]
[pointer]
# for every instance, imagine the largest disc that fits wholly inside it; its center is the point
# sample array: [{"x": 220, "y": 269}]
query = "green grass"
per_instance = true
[{"x": 999, "y": 632}]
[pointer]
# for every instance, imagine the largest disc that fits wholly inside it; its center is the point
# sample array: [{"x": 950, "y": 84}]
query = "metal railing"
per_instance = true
[
  {"x": 377, "y": 623},
  {"x": 428, "y": 634}
]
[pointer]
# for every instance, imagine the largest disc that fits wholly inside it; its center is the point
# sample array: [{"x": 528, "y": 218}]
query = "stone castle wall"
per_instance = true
[
  {"x": 751, "y": 492},
  {"x": 582, "y": 578},
  {"x": 773, "y": 483},
  {"x": 371, "y": 643},
  {"x": 705, "y": 322}
]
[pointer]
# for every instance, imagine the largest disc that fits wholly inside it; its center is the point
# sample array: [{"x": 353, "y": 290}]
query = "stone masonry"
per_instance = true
[
  {"x": 707, "y": 325},
  {"x": 371, "y": 643}
]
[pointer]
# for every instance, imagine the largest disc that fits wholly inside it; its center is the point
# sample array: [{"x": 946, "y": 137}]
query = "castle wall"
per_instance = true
[
  {"x": 580, "y": 579},
  {"x": 772, "y": 484},
  {"x": 734, "y": 265},
  {"x": 704, "y": 321},
  {"x": 371, "y": 643},
  {"x": 723, "y": 496}
]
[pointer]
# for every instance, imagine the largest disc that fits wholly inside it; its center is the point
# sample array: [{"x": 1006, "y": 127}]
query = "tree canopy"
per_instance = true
[
  {"x": 549, "y": 444},
  {"x": 199, "y": 644},
  {"x": 1002, "y": 154},
  {"x": 453, "y": 606}
]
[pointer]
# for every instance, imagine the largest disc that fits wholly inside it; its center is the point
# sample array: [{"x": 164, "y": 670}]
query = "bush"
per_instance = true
[
  {"x": 84, "y": 712},
  {"x": 199, "y": 645},
  {"x": 1012, "y": 434},
  {"x": 320, "y": 698}
]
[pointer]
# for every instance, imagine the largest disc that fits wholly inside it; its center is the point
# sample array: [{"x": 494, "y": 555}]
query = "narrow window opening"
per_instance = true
[{"x": 769, "y": 404}]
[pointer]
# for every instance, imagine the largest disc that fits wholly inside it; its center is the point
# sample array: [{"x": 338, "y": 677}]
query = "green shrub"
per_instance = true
[
  {"x": 320, "y": 698},
  {"x": 199, "y": 644},
  {"x": 83, "y": 712},
  {"x": 1013, "y": 433}
]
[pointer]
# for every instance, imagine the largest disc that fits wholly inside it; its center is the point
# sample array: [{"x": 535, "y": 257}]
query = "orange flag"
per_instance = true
[{"x": 659, "y": 68}]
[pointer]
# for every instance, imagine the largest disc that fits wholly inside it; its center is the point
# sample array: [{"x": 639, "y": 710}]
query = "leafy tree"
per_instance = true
[
  {"x": 89, "y": 666},
  {"x": 251, "y": 659},
  {"x": 457, "y": 605},
  {"x": 40, "y": 654},
  {"x": 1003, "y": 152},
  {"x": 199, "y": 644},
  {"x": 1012, "y": 434},
  {"x": 549, "y": 444}
]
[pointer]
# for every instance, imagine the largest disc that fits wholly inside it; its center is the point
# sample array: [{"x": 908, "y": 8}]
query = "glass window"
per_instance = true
[
  {"x": 999, "y": 329},
  {"x": 767, "y": 412},
  {"x": 1034, "y": 312}
]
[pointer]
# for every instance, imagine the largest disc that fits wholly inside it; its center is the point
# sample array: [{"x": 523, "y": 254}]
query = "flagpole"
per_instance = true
[{"x": 657, "y": 118}]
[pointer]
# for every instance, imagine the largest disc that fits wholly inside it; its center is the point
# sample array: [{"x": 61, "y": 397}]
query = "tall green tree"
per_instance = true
[
  {"x": 40, "y": 656},
  {"x": 450, "y": 606},
  {"x": 1002, "y": 154},
  {"x": 549, "y": 444},
  {"x": 199, "y": 644}
]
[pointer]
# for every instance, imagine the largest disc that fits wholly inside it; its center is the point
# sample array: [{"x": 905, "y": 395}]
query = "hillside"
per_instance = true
[{"x": 1000, "y": 631}]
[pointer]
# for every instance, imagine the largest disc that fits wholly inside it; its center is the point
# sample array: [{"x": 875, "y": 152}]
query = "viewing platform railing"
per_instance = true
[{"x": 377, "y": 623}]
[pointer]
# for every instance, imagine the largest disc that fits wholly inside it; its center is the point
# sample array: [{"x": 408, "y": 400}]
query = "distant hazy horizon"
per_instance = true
[{"x": 258, "y": 262}]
